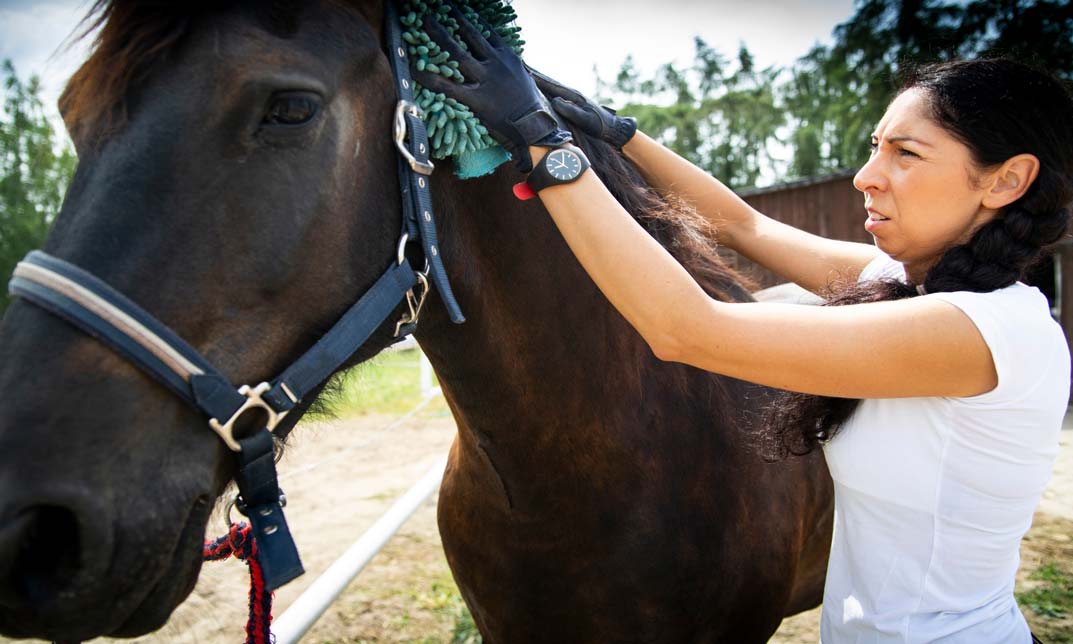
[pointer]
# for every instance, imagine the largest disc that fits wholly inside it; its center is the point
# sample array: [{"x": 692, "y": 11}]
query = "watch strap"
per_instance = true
[{"x": 540, "y": 178}]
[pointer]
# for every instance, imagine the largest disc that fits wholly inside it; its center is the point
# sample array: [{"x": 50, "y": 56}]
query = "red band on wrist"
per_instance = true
[{"x": 523, "y": 191}]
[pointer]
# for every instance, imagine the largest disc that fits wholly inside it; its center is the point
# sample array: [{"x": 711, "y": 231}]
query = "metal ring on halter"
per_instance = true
[
  {"x": 404, "y": 106},
  {"x": 231, "y": 506},
  {"x": 405, "y": 239},
  {"x": 236, "y": 503}
]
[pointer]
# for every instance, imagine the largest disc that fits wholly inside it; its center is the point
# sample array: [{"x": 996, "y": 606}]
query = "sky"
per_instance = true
[{"x": 564, "y": 38}]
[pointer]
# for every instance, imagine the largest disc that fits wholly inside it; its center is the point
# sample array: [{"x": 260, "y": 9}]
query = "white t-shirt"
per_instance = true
[{"x": 933, "y": 495}]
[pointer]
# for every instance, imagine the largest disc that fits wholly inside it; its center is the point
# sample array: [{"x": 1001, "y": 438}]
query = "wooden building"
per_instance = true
[{"x": 832, "y": 207}]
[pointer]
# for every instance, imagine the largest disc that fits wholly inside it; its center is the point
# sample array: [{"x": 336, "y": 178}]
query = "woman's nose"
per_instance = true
[{"x": 870, "y": 176}]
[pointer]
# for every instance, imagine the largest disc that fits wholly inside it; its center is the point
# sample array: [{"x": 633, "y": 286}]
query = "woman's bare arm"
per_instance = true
[
  {"x": 809, "y": 260},
  {"x": 915, "y": 347}
]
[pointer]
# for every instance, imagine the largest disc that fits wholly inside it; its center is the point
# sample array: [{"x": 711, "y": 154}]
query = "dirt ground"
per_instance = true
[{"x": 406, "y": 594}]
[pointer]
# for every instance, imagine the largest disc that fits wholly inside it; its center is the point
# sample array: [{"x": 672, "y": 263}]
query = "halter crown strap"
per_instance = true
[{"x": 414, "y": 171}]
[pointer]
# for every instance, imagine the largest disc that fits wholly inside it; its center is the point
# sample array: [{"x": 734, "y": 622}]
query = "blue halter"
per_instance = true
[{"x": 106, "y": 314}]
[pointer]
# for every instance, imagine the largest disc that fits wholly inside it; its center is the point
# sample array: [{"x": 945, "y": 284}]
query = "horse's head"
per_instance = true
[{"x": 237, "y": 180}]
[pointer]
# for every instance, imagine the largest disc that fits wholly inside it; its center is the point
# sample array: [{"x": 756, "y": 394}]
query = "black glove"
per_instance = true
[
  {"x": 498, "y": 89},
  {"x": 594, "y": 120}
]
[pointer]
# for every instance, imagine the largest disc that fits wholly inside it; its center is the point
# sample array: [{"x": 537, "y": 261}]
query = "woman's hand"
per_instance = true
[
  {"x": 498, "y": 89},
  {"x": 595, "y": 120}
]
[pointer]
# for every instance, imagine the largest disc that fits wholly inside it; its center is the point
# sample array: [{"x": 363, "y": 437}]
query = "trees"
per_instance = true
[
  {"x": 721, "y": 118},
  {"x": 35, "y": 168},
  {"x": 837, "y": 94},
  {"x": 821, "y": 110}
]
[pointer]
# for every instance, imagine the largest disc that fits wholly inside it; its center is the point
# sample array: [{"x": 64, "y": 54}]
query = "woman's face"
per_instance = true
[{"x": 920, "y": 188}]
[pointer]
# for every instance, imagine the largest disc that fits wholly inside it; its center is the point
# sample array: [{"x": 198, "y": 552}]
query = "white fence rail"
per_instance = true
[
  {"x": 310, "y": 605},
  {"x": 300, "y": 616}
]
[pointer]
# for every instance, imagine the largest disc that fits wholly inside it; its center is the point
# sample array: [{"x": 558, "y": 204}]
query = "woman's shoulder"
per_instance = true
[
  {"x": 1027, "y": 345},
  {"x": 1018, "y": 307}
]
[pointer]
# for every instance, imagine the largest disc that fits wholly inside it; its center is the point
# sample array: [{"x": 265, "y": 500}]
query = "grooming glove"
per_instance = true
[
  {"x": 592, "y": 119},
  {"x": 498, "y": 89}
]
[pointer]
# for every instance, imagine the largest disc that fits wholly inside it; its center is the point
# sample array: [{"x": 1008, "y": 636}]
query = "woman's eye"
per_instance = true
[
  {"x": 292, "y": 109},
  {"x": 906, "y": 153}
]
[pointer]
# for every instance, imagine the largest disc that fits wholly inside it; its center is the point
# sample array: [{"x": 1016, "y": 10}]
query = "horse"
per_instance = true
[{"x": 237, "y": 179}]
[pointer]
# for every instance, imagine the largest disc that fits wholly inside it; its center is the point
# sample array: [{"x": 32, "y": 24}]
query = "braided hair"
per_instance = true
[{"x": 997, "y": 108}]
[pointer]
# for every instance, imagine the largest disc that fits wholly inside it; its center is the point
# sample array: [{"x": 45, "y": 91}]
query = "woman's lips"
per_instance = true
[{"x": 875, "y": 220}]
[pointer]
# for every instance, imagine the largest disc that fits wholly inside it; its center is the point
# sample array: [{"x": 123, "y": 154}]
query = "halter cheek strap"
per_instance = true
[{"x": 106, "y": 314}]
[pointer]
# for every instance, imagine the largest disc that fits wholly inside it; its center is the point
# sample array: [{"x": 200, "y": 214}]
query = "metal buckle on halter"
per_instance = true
[
  {"x": 253, "y": 401},
  {"x": 404, "y": 106},
  {"x": 413, "y": 302}
]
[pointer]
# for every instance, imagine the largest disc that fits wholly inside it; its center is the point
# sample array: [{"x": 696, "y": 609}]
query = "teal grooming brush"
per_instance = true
[{"x": 453, "y": 130}]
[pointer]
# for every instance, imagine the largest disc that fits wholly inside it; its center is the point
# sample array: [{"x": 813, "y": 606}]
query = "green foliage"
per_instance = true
[
  {"x": 837, "y": 94},
  {"x": 388, "y": 384},
  {"x": 35, "y": 169},
  {"x": 718, "y": 117},
  {"x": 446, "y": 600},
  {"x": 1054, "y": 597},
  {"x": 824, "y": 107}
]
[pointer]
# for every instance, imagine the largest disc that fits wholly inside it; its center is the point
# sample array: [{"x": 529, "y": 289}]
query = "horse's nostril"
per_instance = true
[{"x": 44, "y": 542}]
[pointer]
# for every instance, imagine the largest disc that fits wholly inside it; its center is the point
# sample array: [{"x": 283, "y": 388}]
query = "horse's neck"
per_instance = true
[
  {"x": 542, "y": 351},
  {"x": 545, "y": 376},
  {"x": 537, "y": 330}
]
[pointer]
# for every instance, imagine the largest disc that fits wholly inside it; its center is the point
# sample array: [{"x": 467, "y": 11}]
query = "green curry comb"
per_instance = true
[{"x": 453, "y": 130}]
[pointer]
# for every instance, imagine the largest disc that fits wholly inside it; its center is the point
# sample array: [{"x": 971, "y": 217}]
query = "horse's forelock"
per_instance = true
[{"x": 131, "y": 38}]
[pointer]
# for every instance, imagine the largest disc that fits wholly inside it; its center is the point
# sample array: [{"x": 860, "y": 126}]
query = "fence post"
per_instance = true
[
  {"x": 1063, "y": 266},
  {"x": 427, "y": 390}
]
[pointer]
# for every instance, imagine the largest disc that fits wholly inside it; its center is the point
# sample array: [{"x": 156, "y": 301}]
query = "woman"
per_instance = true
[{"x": 937, "y": 390}]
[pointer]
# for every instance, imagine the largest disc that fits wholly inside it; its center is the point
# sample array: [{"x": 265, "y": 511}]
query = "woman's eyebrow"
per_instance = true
[{"x": 902, "y": 138}]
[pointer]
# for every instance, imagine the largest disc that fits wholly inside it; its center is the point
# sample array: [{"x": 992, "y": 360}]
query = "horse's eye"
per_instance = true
[{"x": 293, "y": 108}]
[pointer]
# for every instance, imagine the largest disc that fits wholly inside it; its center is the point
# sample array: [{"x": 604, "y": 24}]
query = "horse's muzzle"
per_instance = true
[{"x": 52, "y": 553}]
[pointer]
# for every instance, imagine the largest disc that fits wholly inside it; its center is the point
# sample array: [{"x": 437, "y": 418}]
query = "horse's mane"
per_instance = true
[{"x": 676, "y": 225}]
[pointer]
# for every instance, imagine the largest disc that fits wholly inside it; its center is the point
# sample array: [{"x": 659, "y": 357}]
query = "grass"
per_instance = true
[
  {"x": 1050, "y": 598},
  {"x": 437, "y": 607},
  {"x": 1054, "y": 598},
  {"x": 445, "y": 599},
  {"x": 388, "y": 384}
]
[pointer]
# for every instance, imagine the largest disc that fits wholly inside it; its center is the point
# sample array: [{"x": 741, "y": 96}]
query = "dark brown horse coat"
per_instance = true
[{"x": 593, "y": 494}]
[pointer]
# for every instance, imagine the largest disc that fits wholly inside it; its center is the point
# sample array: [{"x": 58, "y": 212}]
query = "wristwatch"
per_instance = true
[{"x": 563, "y": 164}]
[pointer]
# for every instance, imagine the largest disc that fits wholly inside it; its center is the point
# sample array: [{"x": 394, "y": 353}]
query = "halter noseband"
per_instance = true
[{"x": 103, "y": 312}]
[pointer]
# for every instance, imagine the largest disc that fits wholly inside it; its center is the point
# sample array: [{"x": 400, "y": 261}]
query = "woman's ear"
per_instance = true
[{"x": 1011, "y": 180}]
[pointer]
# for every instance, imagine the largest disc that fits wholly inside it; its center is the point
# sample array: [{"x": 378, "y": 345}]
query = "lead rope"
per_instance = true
[{"x": 237, "y": 543}]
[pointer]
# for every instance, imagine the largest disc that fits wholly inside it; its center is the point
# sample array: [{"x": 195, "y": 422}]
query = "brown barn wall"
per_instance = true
[{"x": 830, "y": 207}]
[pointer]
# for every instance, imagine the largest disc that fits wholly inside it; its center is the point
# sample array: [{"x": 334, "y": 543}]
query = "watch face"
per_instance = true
[{"x": 564, "y": 165}]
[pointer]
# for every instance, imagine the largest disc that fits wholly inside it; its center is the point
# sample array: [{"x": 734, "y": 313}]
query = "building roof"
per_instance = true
[{"x": 799, "y": 183}]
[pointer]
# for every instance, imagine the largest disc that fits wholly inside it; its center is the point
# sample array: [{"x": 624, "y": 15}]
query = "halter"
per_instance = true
[{"x": 106, "y": 314}]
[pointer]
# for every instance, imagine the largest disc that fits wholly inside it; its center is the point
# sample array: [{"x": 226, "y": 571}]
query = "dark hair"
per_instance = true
[{"x": 998, "y": 108}]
